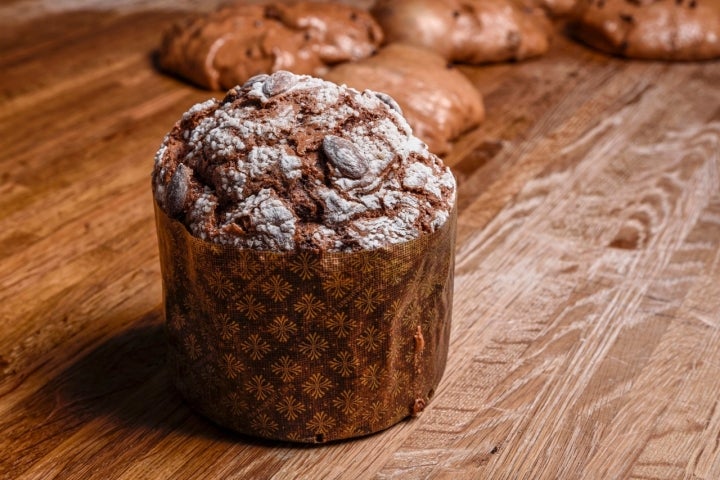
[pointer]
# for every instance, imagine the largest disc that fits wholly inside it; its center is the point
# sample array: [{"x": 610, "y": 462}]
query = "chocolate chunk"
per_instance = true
[
  {"x": 277, "y": 83},
  {"x": 177, "y": 190},
  {"x": 345, "y": 156},
  {"x": 389, "y": 101},
  {"x": 255, "y": 79}
]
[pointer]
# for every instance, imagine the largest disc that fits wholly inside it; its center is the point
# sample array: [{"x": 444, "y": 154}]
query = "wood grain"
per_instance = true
[{"x": 586, "y": 329}]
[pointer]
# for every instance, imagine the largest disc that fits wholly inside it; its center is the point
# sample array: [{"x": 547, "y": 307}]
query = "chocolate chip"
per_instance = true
[
  {"x": 627, "y": 18},
  {"x": 692, "y": 4},
  {"x": 278, "y": 82},
  {"x": 345, "y": 157},
  {"x": 389, "y": 101},
  {"x": 513, "y": 39},
  {"x": 177, "y": 190}
]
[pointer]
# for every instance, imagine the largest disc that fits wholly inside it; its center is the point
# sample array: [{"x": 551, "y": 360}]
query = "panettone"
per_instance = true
[{"x": 306, "y": 243}]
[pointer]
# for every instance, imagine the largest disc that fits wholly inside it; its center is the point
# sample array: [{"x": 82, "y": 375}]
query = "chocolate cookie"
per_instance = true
[
  {"x": 224, "y": 48},
  {"x": 650, "y": 29},
  {"x": 438, "y": 102},
  {"x": 469, "y": 31}
]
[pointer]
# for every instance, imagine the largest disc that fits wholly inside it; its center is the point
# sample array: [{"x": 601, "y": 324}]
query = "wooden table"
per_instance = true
[{"x": 586, "y": 329}]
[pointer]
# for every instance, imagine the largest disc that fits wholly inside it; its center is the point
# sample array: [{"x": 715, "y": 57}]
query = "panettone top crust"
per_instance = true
[{"x": 287, "y": 162}]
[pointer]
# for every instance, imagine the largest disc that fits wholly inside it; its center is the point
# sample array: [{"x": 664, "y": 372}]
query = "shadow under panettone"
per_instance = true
[{"x": 124, "y": 382}]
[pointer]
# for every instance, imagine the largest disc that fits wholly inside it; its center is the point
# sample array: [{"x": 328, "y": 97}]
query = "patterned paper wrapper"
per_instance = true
[{"x": 305, "y": 346}]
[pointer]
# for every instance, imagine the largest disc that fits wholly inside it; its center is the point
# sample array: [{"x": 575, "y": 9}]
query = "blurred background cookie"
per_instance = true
[
  {"x": 469, "y": 31},
  {"x": 226, "y": 47},
  {"x": 650, "y": 29},
  {"x": 438, "y": 101}
]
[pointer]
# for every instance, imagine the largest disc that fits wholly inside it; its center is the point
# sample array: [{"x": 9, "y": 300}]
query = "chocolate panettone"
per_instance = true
[{"x": 306, "y": 243}]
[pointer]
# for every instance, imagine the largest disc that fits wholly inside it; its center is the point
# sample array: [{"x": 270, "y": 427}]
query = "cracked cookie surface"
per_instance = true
[
  {"x": 467, "y": 31},
  {"x": 224, "y": 48},
  {"x": 650, "y": 29}
]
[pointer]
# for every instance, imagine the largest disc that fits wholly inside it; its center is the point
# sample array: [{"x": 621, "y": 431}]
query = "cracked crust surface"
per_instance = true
[
  {"x": 467, "y": 31},
  {"x": 650, "y": 29},
  {"x": 289, "y": 162},
  {"x": 224, "y": 48}
]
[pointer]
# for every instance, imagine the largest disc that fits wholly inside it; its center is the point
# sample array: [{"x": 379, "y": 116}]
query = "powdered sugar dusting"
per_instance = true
[{"x": 290, "y": 162}]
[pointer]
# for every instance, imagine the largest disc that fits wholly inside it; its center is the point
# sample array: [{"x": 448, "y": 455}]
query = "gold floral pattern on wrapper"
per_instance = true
[{"x": 306, "y": 346}]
